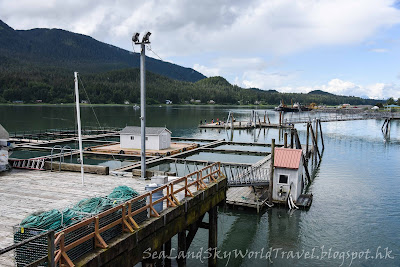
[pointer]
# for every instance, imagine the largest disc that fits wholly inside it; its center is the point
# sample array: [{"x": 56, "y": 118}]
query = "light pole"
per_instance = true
[{"x": 145, "y": 40}]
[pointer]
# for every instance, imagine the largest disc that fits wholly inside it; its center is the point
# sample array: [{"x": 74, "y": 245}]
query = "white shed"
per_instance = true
[
  {"x": 288, "y": 174},
  {"x": 157, "y": 138}
]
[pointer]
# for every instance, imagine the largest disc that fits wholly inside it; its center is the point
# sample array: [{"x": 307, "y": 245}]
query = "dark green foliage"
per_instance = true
[{"x": 319, "y": 92}]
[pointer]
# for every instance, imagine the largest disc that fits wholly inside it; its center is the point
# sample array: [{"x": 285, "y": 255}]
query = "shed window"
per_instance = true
[
  {"x": 132, "y": 138},
  {"x": 283, "y": 179},
  {"x": 147, "y": 138}
]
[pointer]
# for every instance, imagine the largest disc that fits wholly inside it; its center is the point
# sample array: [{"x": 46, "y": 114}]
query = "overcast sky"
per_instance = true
[{"x": 348, "y": 47}]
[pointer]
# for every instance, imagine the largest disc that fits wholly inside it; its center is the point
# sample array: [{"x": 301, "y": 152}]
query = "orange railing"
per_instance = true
[{"x": 197, "y": 180}]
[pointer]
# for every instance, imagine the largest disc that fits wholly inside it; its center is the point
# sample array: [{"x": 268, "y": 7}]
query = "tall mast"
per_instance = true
[
  {"x": 145, "y": 40},
  {"x": 78, "y": 118},
  {"x": 143, "y": 110}
]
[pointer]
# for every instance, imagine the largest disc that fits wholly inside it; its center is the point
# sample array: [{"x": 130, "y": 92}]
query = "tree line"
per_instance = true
[{"x": 56, "y": 85}]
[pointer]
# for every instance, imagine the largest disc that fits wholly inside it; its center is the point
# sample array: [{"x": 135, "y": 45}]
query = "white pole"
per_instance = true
[{"x": 78, "y": 118}]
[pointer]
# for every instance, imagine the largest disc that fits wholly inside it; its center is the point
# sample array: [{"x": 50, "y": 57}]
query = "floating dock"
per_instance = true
[
  {"x": 241, "y": 125},
  {"x": 116, "y": 149}
]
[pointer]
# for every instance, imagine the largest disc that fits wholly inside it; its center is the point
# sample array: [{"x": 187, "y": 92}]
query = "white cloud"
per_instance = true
[
  {"x": 232, "y": 63},
  {"x": 379, "y": 50},
  {"x": 265, "y": 80},
  {"x": 206, "y": 71},
  {"x": 340, "y": 87},
  {"x": 192, "y": 27}
]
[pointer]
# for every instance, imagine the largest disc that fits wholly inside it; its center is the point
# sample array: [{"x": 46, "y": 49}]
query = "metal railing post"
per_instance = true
[{"x": 50, "y": 249}]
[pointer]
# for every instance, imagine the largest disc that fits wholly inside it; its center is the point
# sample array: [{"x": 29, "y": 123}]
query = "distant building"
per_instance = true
[
  {"x": 157, "y": 138},
  {"x": 39, "y": 101},
  {"x": 256, "y": 102},
  {"x": 126, "y": 102},
  {"x": 211, "y": 101},
  {"x": 18, "y": 102},
  {"x": 197, "y": 101},
  {"x": 168, "y": 102},
  {"x": 288, "y": 174},
  {"x": 84, "y": 101}
]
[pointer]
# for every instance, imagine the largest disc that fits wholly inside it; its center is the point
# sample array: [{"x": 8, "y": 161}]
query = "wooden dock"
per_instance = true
[
  {"x": 178, "y": 215},
  {"x": 241, "y": 125},
  {"x": 116, "y": 149},
  {"x": 247, "y": 197}
]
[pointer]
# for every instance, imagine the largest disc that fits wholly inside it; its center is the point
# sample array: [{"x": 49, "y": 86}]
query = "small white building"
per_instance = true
[
  {"x": 4, "y": 138},
  {"x": 288, "y": 174},
  {"x": 157, "y": 138}
]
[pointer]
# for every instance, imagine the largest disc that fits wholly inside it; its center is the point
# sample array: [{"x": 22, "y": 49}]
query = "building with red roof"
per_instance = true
[{"x": 288, "y": 174}]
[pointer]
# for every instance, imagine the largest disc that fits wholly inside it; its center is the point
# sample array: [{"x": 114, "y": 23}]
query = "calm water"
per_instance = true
[{"x": 356, "y": 190}]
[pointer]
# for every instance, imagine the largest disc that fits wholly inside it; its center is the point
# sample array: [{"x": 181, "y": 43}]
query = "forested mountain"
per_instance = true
[
  {"x": 38, "y": 64},
  {"x": 76, "y": 52}
]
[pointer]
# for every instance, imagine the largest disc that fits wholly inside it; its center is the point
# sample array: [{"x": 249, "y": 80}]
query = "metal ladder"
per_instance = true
[
  {"x": 61, "y": 155},
  {"x": 31, "y": 164}
]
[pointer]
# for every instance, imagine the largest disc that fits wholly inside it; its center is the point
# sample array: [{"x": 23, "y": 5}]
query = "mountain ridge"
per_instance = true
[{"x": 79, "y": 52}]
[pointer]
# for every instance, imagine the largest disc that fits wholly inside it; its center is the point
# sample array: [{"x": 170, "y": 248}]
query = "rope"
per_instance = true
[
  {"x": 91, "y": 106},
  {"x": 149, "y": 48}
]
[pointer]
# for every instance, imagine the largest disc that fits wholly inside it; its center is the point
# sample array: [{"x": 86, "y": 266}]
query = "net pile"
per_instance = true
[{"x": 56, "y": 220}]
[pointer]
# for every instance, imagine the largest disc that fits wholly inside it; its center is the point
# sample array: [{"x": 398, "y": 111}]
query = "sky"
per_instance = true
[{"x": 346, "y": 47}]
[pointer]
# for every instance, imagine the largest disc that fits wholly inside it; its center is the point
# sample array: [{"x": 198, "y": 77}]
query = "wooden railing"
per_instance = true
[{"x": 197, "y": 179}]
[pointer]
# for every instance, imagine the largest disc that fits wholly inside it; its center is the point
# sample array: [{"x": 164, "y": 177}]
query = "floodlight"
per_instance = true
[
  {"x": 135, "y": 38},
  {"x": 146, "y": 38}
]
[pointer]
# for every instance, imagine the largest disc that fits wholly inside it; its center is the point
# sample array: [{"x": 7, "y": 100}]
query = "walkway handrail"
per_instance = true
[
  {"x": 213, "y": 172},
  {"x": 50, "y": 248}
]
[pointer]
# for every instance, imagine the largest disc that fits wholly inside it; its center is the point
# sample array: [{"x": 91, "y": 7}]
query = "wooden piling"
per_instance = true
[
  {"x": 271, "y": 173},
  {"x": 297, "y": 139},
  {"x": 291, "y": 138},
  {"x": 285, "y": 141},
  {"x": 322, "y": 137},
  {"x": 167, "y": 250},
  {"x": 212, "y": 235},
  {"x": 308, "y": 136},
  {"x": 315, "y": 144},
  {"x": 181, "y": 258},
  {"x": 280, "y": 118}
]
